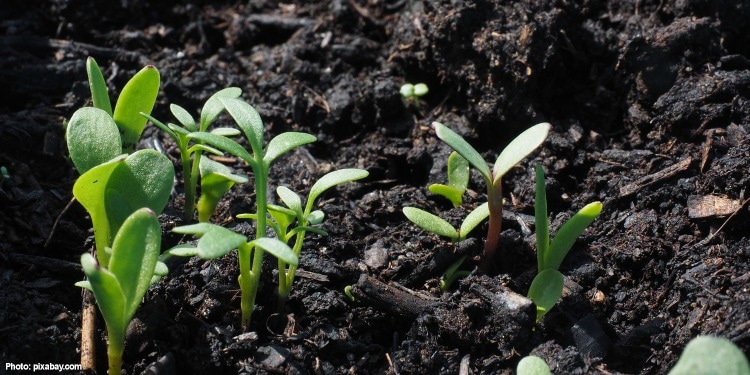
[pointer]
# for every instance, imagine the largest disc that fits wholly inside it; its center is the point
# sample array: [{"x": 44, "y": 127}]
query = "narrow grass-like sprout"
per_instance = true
[
  {"x": 458, "y": 180},
  {"x": 547, "y": 286},
  {"x": 517, "y": 149},
  {"x": 119, "y": 288}
]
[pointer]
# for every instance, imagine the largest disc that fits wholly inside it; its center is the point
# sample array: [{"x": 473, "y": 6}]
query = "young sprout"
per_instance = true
[
  {"x": 191, "y": 154},
  {"x": 259, "y": 159},
  {"x": 547, "y": 286},
  {"x": 458, "y": 180},
  {"x": 435, "y": 224},
  {"x": 518, "y": 149},
  {"x": 120, "y": 287},
  {"x": 283, "y": 217},
  {"x": 411, "y": 92},
  {"x": 452, "y": 274},
  {"x": 216, "y": 180}
]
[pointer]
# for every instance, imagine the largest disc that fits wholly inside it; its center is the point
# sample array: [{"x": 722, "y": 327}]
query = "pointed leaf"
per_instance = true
[
  {"x": 209, "y": 167},
  {"x": 307, "y": 228},
  {"x": 183, "y": 250},
  {"x": 459, "y": 144},
  {"x": 108, "y": 294},
  {"x": 213, "y": 106},
  {"x": 473, "y": 219},
  {"x": 135, "y": 251},
  {"x": 277, "y": 248},
  {"x": 214, "y": 241},
  {"x": 183, "y": 116},
  {"x": 449, "y": 192},
  {"x": 285, "y": 142},
  {"x": 290, "y": 199},
  {"x": 332, "y": 179},
  {"x": 546, "y": 290},
  {"x": 541, "y": 219},
  {"x": 138, "y": 95},
  {"x": 92, "y": 137},
  {"x": 225, "y": 132},
  {"x": 315, "y": 217},
  {"x": 567, "y": 234},
  {"x": 169, "y": 128},
  {"x": 99, "y": 91},
  {"x": 224, "y": 144},
  {"x": 248, "y": 120},
  {"x": 519, "y": 148},
  {"x": 431, "y": 223}
]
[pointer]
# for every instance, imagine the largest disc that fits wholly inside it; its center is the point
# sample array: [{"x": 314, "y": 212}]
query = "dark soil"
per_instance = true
[{"x": 650, "y": 102}]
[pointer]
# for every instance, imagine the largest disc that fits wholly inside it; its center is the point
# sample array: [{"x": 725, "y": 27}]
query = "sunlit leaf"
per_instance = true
[
  {"x": 430, "y": 222},
  {"x": 519, "y": 148},
  {"x": 545, "y": 290},
  {"x": 92, "y": 137},
  {"x": 138, "y": 95},
  {"x": 98, "y": 86},
  {"x": 460, "y": 145}
]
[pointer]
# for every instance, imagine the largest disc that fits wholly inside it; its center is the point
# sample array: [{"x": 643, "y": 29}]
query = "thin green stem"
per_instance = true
[
  {"x": 247, "y": 287},
  {"x": 253, "y": 278},
  {"x": 115, "y": 348},
  {"x": 286, "y": 274},
  {"x": 191, "y": 182}
]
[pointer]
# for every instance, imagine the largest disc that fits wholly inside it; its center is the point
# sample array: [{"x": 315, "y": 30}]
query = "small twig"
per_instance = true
[
  {"x": 88, "y": 332},
  {"x": 57, "y": 221},
  {"x": 712, "y": 235},
  {"x": 655, "y": 177}
]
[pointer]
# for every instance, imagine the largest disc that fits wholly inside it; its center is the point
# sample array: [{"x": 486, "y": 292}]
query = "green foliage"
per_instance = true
[
  {"x": 458, "y": 180},
  {"x": 532, "y": 365},
  {"x": 519, "y": 148},
  {"x": 452, "y": 274},
  {"x": 119, "y": 288},
  {"x": 708, "y": 355},
  {"x": 191, "y": 152},
  {"x": 547, "y": 286},
  {"x": 435, "y": 224},
  {"x": 93, "y": 138},
  {"x": 412, "y": 92},
  {"x": 216, "y": 180},
  {"x": 111, "y": 191}
]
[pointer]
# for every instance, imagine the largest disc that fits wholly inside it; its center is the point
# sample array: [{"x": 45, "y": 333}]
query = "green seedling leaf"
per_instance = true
[
  {"x": 711, "y": 355},
  {"x": 315, "y": 217},
  {"x": 449, "y": 192},
  {"x": 214, "y": 106},
  {"x": 519, "y": 148},
  {"x": 161, "y": 269},
  {"x": 89, "y": 190},
  {"x": 276, "y": 248},
  {"x": 225, "y": 144},
  {"x": 216, "y": 180},
  {"x": 290, "y": 199},
  {"x": 545, "y": 291},
  {"x": 248, "y": 120},
  {"x": 420, "y": 89},
  {"x": 99, "y": 91},
  {"x": 407, "y": 90},
  {"x": 92, "y": 137},
  {"x": 145, "y": 179},
  {"x": 307, "y": 228},
  {"x": 532, "y": 365},
  {"x": 214, "y": 241},
  {"x": 332, "y": 179},
  {"x": 202, "y": 147},
  {"x": 541, "y": 219},
  {"x": 183, "y": 250},
  {"x": 285, "y": 142},
  {"x": 568, "y": 233},
  {"x": 473, "y": 219},
  {"x": 108, "y": 294},
  {"x": 225, "y": 132},
  {"x": 458, "y": 172},
  {"x": 184, "y": 117},
  {"x": 430, "y": 222},
  {"x": 138, "y": 95},
  {"x": 457, "y": 143},
  {"x": 135, "y": 252}
]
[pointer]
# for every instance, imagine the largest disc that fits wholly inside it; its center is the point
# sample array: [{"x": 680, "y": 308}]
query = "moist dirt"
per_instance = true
[{"x": 650, "y": 106}]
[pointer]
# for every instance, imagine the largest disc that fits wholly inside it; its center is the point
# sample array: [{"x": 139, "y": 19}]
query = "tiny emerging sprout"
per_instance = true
[
  {"x": 452, "y": 274},
  {"x": 412, "y": 92},
  {"x": 348, "y": 293},
  {"x": 216, "y": 180},
  {"x": 458, "y": 180},
  {"x": 547, "y": 286},
  {"x": 4, "y": 175}
]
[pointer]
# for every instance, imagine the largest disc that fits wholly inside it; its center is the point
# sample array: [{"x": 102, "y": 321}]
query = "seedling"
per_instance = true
[
  {"x": 259, "y": 159},
  {"x": 191, "y": 155},
  {"x": 412, "y": 92},
  {"x": 283, "y": 217},
  {"x": 4, "y": 175},
  {"x": 458, "y": 180},
  {"x": 547, "y": 286},
  {"x": 111, "y": 191},
  {"x": 711, "y": 355},
  {"x": 435, "y": 224},
  {"x": 120, "y": 287},
  {"x": 216, "y": 180},
  {"x": 452, "y": 274},
  {"x": 532, "y": 365},
  {"x": 518, "y": 149},
  {"x": 138, "y": 96}
]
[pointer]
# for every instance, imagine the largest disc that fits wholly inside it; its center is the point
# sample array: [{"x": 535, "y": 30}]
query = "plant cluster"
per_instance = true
[{"x": 124, "y": 190}]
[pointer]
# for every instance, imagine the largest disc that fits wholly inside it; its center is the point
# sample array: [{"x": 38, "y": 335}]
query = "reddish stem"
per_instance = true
[{"x": 495, "y": 200}]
